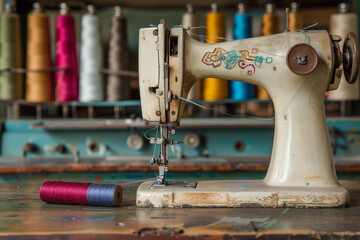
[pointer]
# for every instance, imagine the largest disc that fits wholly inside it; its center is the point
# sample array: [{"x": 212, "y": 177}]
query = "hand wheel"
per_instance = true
[{"x": 351, "y": 58}]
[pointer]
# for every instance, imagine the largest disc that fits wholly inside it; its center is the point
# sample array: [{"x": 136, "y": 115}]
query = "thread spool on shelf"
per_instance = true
[
  {"x": 215, "y": 89},
  {"x": 341, "y": 24},
  {"x": 38, "y": 84},
  {"x": 295, "y": 17},
  {"x": 118, "y": 86},
  {"x": 270, "y": 25},
  {"x": 11, "y": 84},
  {"x": 67, "y": 82},
  {"x": 91, "y": 88},
  {"x": 242, "y": 30},
  {"x": 74, "y": 193},
  {"x": 191, "y": 19}
]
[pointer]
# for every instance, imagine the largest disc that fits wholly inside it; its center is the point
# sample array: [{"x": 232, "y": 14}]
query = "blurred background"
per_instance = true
[{"x": 69, "y": 92}]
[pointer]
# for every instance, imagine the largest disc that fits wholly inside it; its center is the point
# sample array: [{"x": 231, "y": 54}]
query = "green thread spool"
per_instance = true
[{"x": 11, "y": 84}]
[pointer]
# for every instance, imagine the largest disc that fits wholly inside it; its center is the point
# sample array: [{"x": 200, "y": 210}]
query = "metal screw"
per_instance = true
[
  {"x": 158, "y": 113},
  {"x": 302, "y": 59},
  {"x": 160, "y": 93},
  {"x": 173, "y": 113},
  {"x": 155, "y": 32}
]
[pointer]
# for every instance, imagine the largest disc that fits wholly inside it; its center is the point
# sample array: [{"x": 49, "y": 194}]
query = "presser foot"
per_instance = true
[
  {"x": 174, "y": 184},
  {"x": 240, "y": 193}
]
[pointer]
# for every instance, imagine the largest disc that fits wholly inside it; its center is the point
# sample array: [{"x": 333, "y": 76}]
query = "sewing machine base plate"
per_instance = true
[{"x": 240, "y": 193}]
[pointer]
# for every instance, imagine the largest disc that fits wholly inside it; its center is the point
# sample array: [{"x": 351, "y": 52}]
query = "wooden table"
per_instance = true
[{"x": 24, "y": 216}]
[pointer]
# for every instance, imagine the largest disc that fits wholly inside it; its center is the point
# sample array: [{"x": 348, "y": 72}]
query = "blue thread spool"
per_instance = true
[{"x": 242, "y": 30}]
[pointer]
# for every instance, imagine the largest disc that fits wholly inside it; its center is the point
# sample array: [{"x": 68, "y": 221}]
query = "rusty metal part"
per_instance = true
[
  {"x": 302, "y": 59},
  {"x": 351, "y": 58}
]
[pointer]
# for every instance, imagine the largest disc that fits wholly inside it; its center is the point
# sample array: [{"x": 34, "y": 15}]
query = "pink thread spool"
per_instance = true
[{"x": 67, "y": 82}]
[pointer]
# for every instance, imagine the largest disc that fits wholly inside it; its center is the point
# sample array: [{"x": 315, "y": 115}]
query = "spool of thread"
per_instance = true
[
  {"x": 295, "y": 17},
  {"x": 191, "y": 19},
  {"x": 67, "y": 82},
  {"x": 242, "y": 30},
  {"x": 341, "y": 24},
  {"x": 38, "y": 84},
  {"x": 215, "y": 89},
  {"x": 11, "y": 84},
  {"x": 90, "y": 58},
  {"x": 74, "y": 193},
  {"x": 270, "y": 25},
  {"x": 118, "y": 87}
]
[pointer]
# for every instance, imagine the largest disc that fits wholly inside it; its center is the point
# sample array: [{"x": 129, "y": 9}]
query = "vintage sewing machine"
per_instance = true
[{"x": 295, "y": 68}]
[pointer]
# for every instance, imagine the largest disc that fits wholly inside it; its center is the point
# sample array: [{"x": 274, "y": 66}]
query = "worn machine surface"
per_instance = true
[
  {"x": 24, "y": 216},
  {"x": 295, "y": 68}
]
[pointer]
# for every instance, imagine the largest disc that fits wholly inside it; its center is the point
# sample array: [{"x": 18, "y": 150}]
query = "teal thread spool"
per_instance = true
[
  {"x": 10, "y": 55},
  {"x": 242, "y": 30}
]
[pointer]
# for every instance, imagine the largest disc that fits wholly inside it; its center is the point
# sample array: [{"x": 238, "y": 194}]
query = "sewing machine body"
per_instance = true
[{"x": 301, "y": 171}]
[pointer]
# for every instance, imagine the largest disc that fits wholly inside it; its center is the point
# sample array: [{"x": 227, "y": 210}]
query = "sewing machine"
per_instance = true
[{"x": 295, "y": 68}]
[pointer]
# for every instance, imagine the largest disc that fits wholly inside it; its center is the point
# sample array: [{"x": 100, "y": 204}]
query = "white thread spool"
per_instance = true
[
  {"x": 191, "y": 19},
  {"x": 341, "y": 24},
  {"x": 91, "y": 84}
]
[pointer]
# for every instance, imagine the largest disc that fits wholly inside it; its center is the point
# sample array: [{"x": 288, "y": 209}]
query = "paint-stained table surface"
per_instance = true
[{"x": 24, "y": 216}]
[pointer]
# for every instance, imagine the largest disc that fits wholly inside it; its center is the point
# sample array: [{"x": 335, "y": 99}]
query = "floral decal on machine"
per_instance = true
[{"x": 246, "y": 62}]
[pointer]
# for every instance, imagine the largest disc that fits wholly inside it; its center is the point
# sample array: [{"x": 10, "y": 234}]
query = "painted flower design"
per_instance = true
[{"x": 213, "y": 58}]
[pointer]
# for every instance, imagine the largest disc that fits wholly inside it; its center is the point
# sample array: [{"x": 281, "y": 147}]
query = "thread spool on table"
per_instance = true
[
  {"x": 67, "y": 82},
  {"x": 11, "y": 84},
  {"x": 38, "y": 84},
  {"x": 341, "y": 24},
  {"x": 215, "y": 89},
  {"x": 242, "y": 30},
  {"x": 74, "y": 193},
  {"x": 91, "y": 85},
  {"x": 270, "y": 25},
  {"x": 191, "y": 19},
  {"x": 118, "y": 86}
]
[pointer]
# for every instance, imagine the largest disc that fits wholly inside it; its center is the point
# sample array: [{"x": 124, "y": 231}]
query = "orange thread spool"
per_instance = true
[
  {"x": 270, "y": 25},
  {"x": 215, "y": 89},
  {"x": 295, "y": 17},
  {"x": 38, "y": 84}
]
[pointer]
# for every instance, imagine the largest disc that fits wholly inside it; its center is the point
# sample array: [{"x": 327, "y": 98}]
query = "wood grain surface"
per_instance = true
[{"x": 24, "y": 216}]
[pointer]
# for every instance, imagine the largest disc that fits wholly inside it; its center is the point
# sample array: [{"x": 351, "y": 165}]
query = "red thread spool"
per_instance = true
[
  {"x": 67, "y": 84},
  {"x": 64, "y": 192}
]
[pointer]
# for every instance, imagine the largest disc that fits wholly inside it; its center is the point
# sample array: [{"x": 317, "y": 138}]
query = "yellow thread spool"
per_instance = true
[
  {"x": 215, "y": 89},
  {"x": 38, "y": 84},
  {"x": 295, "y": 17},
  {"x": 270, "y": 25}
]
